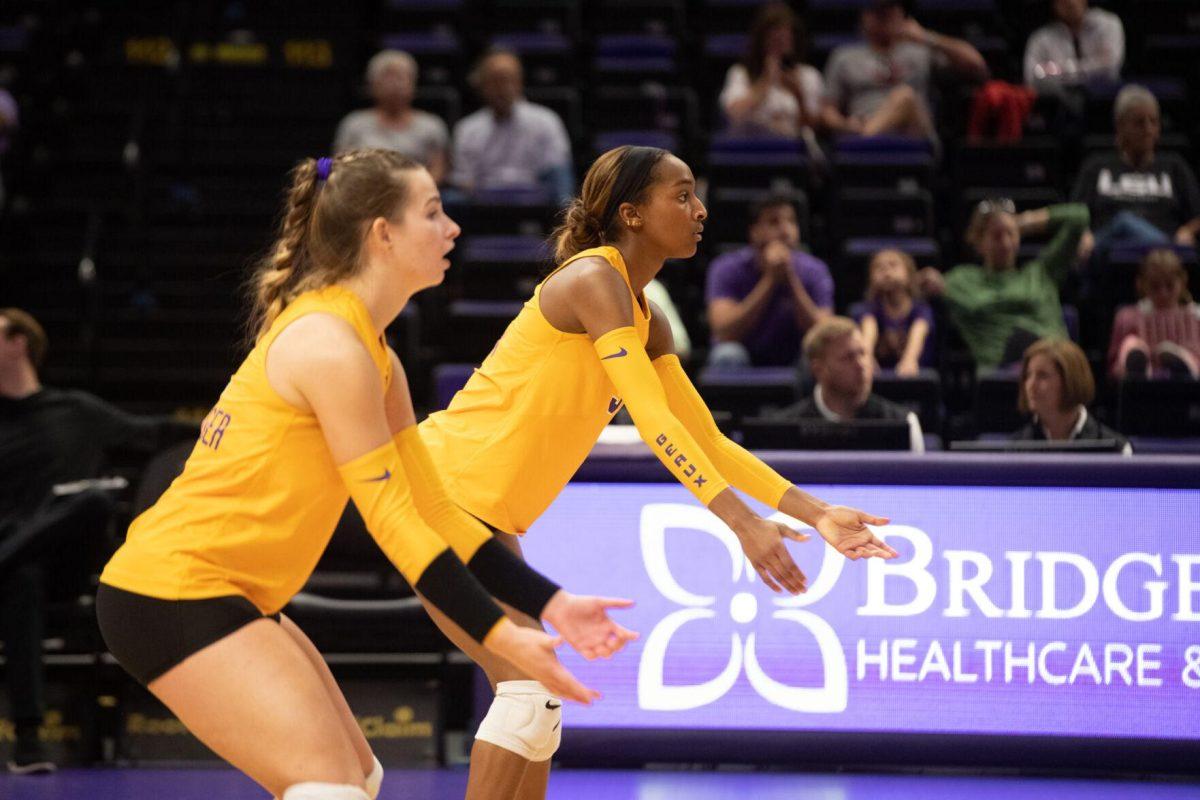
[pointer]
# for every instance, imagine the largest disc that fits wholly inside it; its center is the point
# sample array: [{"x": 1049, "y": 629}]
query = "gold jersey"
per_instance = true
[
  {"x": 260, "y": 495},
  {"x": 529, "y": 415}
]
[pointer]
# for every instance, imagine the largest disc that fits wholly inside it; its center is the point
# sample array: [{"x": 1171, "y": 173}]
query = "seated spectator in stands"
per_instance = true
[
  {"x": 840, "y": 363},
  {"x": 1082, "y": 45},
  {"x": 1137, "y": 196},
  {"x": 48, "y": 439},
  {"x": 762, "y": 298},
  {"x": 1000, "y": 308},
  {"x": 896, "y": 323},
  {"x": 393, "y": 123},
  {"x": 882, "y": 85},
  {"x": 772, "y": 91},
  {"x": 1056, "y": 387},
  {"x": 1160, "y": 335},
  {"x": 510, "y": 142}
]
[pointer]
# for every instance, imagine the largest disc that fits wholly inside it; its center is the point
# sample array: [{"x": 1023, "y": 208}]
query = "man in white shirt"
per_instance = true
[
  {"x": 1081, "y": 45},
  {"x": 510, "y": 142}
]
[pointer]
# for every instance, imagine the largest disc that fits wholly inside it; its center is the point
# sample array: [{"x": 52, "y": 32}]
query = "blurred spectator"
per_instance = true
[
  {"x": 511, "y": 142},
  {"x": 1138, "y": 197},
  {"x": 657, "y": 293},
  {"x": 773, "y": 91},
  {"x": 1056, "y": 387},
  {"x": 1081, "y": 45},
  {"x": 882, "y": 84},
  {"x": 9, "y": 120},
  {"x": 840, "y": 363},
  {"x": 1161, "y": 333},
  {"x": 49, "y": 439},
  {"x": 1000, "y": 308},
  {"x": 393, "y": 124},
  {"x": 762, "y": 298},
  {"x": 896, "y": 323}
]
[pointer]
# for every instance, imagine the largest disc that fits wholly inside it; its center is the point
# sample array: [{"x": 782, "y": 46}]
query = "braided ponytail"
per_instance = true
[
  {"x": 329, "y": 208},
  {"x": 277, "y": 274}
]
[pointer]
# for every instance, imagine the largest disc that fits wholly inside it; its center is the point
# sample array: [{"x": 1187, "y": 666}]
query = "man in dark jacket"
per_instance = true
[
  {"x": 841, "y": 364},
  {"x": 52, "y": 442}
]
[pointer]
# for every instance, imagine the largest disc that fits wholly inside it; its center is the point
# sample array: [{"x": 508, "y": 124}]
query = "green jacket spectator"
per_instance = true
[{"x": 1001, "y": 308}]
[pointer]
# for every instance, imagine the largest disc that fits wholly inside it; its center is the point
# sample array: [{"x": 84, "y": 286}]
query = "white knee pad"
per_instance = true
[
  {"x": 525, "y": 719},
  {"x": 324, "y": 791},
  {"x": 375, "y": 780}
]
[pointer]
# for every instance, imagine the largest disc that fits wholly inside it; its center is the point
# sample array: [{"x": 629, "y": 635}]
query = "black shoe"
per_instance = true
[
  {"x": 1137, "y": 364},
  {"x": 29, "y": 758},
  {"x": 1174, "y": 361}
]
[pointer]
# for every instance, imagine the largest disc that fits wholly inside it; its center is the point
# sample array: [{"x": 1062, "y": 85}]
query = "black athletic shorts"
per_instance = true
[{"x": 149, "y": 636}]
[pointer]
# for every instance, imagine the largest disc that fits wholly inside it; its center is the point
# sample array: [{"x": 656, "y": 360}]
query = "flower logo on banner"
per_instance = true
[{"x": 655, "y": 695}]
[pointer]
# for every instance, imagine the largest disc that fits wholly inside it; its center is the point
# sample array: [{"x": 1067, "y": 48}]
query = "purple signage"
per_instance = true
[{"x": 1032, "y": 611}]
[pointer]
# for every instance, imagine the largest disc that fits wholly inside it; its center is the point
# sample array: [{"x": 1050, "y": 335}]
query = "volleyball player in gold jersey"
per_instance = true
[
  {"x": 586, "y": 343},
  {"x": 317, "y": 412}
]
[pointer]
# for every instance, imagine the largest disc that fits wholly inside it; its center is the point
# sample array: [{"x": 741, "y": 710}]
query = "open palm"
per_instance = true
[{"x": 846, "y": 529}]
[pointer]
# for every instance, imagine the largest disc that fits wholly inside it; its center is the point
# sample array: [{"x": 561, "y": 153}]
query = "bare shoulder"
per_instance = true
[
  {"x": 592, "y": 274},
  {"x": 584, "y": 294},
  {"x": 317, "y": 348}
]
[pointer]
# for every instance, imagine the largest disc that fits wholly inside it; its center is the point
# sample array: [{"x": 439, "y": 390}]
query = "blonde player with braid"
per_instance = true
[
  {"x": 586, "y": 343},
  {"x": 318, "y": 412}
]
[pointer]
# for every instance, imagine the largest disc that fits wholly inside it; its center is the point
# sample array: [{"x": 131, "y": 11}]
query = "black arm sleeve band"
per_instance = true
[
  {"x": 446, "y": 584},
  {"x": 510, "y": 579}
]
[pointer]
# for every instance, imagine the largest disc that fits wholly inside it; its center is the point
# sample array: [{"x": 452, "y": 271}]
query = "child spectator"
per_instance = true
[
  {"x": 896, "y": 323},
  {"x": 1161, "y": 333}
]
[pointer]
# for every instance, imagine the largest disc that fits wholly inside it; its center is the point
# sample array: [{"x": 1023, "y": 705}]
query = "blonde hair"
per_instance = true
[
  {"x": 910, "y": 267},
  {"x": 323, "y": 227},
  {"x": 1163, "y": 260},
  {"x": 620, "y": 175},
  {"x": 824, "y": 333},
  {"x": 1079, "y": 387}
]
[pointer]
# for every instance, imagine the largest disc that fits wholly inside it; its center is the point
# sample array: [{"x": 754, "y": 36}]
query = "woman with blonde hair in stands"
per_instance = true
[
  {"x": 318, "y": 413},
  {"x": 1160, "y": 334}
]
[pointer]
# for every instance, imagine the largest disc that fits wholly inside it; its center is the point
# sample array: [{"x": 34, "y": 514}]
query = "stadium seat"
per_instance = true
[
  {"x": 748, "y": 391},
  {"x": 758, "y": 162},
  {"x": 635, "y": 58},
  {"x": 1159, "y": 408},
  {"x": 501, "y": 267}
]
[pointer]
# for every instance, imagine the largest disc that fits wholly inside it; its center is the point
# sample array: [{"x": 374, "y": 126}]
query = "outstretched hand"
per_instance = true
[
  {"x": 532, "y": 652},
  {"x": 583, "y": 622},
  {"x": 846, "y": 529}
]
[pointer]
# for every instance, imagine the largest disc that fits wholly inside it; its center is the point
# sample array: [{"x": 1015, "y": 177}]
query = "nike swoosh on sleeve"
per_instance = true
[
  {"x": 618, "y": 354},
  {"x": 387, "y": 473}
]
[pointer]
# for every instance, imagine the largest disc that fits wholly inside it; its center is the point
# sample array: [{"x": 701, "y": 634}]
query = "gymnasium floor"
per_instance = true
[{"x": 205, "y": 784}]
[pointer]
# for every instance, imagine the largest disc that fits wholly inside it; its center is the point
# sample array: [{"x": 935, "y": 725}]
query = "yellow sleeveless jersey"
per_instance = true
[
  {"x": 260, "y": 495},
  {"x": 528, "y": 416}
]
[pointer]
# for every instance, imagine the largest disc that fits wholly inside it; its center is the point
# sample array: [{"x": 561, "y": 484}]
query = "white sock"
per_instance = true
[
  {"x": 324, "y": 791},
  {"x": 375, "y": 780}
]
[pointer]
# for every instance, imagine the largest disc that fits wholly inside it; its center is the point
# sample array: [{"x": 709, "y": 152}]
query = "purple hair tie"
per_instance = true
[{"x": 324, "y": 165}]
